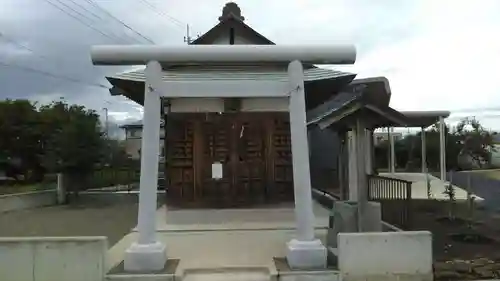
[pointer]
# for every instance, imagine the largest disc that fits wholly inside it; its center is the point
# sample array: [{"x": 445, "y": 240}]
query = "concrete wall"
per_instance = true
[
  {"x": 385, "y": 256},
  {"x": 21, "y": 201},
  {"x": 53, "y": 258}
]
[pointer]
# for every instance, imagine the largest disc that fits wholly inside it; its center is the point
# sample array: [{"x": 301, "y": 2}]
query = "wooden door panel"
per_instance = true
[
  {"x": 217, "y": 148},
  {"x": 179, "y": 158},
  {"x": 250, "y": 173},
  {"x": 283, "y": 170}
]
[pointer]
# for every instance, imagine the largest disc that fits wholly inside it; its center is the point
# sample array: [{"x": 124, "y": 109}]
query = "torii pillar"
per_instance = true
[{"x": 304, "y": 251}]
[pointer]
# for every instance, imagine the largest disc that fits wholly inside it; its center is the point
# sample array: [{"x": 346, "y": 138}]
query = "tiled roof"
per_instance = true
[{"x": 232, "y": 73}]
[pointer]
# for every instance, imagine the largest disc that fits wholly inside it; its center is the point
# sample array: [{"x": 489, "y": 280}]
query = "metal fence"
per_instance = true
[
  {"x": 478, "y": 184},
  {"x": 394, "y": 196},
  {"x": 113, "y": 179}
]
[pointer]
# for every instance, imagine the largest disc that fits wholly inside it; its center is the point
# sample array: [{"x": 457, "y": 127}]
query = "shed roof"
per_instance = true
[
  {"x": 424, "y": 118},
  {"x": 343, "y": 109},
  {"x": 374, "y": 92}
]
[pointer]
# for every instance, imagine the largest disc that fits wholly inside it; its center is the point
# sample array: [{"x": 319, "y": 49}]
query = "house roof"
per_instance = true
[{"x": 138, "y": 124}]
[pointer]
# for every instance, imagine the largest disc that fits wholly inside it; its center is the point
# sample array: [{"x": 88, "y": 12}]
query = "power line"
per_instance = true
[
  {"x": 88, "y": 18},
  {"x": 163, "y": 14},
  {"x": 85, "y": 9},
  {"x": 84, "y": 23},
  {"x": 50, "y": 74},
  {"x": 73, "y": 10},
  {"x": 22, "y": 46},
  {"x": 121, "y": 22}
]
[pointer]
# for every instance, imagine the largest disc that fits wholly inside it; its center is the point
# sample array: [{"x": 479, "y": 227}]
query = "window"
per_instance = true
[{"x": 134, "y": 133}]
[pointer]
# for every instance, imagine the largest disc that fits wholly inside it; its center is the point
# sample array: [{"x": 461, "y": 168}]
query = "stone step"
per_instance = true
[{"x": 227, "y": 274}]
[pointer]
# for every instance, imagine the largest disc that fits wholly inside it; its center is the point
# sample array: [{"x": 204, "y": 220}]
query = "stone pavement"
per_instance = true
[{"x": 228, "y": 238}]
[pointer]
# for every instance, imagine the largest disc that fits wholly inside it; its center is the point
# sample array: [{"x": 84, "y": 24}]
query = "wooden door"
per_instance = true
[
  {"x": 250, "y": 168},
  {"x": 217, "y": 131}
]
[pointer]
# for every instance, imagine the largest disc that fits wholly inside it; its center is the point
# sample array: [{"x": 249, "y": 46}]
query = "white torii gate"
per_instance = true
[{"x": 147, "y": 253}]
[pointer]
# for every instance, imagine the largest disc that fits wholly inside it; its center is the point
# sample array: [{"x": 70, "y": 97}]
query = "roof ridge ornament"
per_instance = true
[{"x": 231, "y": 10}]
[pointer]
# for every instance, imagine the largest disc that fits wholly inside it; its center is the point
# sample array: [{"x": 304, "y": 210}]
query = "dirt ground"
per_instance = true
[
  {"x": 465, "y": 248},
  {"x": 85, "y": 219}
]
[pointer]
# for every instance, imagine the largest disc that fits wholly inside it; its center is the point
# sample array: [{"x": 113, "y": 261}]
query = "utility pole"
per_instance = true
[
  {"x": 187, "y": 38},
  {"x": 106, "y": 127}
]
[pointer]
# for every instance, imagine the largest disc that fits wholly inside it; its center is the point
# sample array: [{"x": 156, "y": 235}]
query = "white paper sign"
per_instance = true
[{"x": 217, "y": 170}]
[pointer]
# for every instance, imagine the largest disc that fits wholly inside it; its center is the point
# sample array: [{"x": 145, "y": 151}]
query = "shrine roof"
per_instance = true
[
  {"x": 320, "y": 83},
  {"x": 210, "y": 73}
]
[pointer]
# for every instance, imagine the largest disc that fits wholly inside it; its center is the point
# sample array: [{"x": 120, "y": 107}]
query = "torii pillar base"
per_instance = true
[
  {"x": 145, "y": 257},
  {"x": 306, "y": 254}
]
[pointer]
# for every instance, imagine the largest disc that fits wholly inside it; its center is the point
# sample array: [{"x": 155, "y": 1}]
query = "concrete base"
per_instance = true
[
  {"x": 306, "y": 254},
  {"x": 143, "y": 258},
  {"x": 385, "y": 256}
]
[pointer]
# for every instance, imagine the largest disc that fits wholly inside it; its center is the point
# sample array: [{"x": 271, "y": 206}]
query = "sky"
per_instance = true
[{"x": 437, "y": 55}]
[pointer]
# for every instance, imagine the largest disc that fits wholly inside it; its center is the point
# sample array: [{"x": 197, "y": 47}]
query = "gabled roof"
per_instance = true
[{"x": 209, "y": 36}]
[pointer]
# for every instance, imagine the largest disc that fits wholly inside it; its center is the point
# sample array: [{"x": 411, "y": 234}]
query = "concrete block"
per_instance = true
[
  {"x": 345, "y": 219},
  {"x": 28, "y": 200},
  {"x": 385, "y": 256},
  {"x": 53, "y": 258},
  {"x": 306, "y": 254}
]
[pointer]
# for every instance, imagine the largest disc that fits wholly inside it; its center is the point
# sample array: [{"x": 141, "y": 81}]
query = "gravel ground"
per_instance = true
[{"x": 85, "y": 219}]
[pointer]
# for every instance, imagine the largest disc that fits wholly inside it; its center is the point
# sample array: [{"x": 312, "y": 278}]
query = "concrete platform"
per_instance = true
[
  {"x": 280, "y": 217},
  {"x": 210, "y": 239}
]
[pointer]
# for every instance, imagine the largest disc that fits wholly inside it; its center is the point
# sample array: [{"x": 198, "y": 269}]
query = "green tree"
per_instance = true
[
  {"x": 20, "y": 144},
  {"x": 476, "y": 142},
  {"x": 468, "y": 138},
  {"x": 72, "y": 141}
]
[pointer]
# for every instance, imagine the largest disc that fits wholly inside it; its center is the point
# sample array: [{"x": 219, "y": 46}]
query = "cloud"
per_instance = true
[{"x": 436, "y": 54}]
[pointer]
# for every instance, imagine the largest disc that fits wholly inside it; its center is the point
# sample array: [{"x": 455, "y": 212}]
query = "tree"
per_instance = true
[
  {"x": 20, "y": 142},
  {"x": 466, "y": 144},
  {"x": 476, "y": 142},
  {"x": 72, "y": 141}
]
